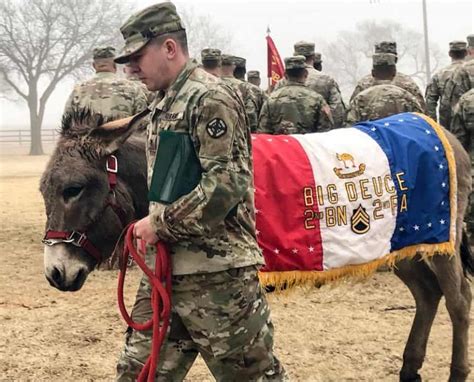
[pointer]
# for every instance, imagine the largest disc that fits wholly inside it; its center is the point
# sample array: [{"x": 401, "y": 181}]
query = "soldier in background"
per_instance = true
[
  {"x": 294, "y": 108},
  {"x": 253, "y": 76},
  {"x": 400, "y": 79},
  {"x": 105, "y": 93},
  {"x": 383, "y": 98},
  {"x": 318, "y": 62},
  {"x": 435, "y": 89},
  {"x": 211, "y": 61},
  {"x": 460, "y": 82},
  {"x": 463, "y": 127}
]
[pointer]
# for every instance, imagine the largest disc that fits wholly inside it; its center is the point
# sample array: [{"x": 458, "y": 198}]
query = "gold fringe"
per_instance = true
[{"x": 289, "y": 279}]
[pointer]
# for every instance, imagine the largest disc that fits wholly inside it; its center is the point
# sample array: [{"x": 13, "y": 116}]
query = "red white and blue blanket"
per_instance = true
[{"x": 346, "y": 201}]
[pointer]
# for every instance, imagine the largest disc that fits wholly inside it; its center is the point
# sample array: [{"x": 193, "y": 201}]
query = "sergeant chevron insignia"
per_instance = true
[{"x": 360, "y": 220}]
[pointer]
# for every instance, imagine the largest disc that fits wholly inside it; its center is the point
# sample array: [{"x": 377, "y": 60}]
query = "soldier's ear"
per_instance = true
[{"x": 111, "y": 135}]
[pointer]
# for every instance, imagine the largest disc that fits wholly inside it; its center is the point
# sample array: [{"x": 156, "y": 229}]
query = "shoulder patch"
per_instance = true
[{"x": 216, "y": 128}]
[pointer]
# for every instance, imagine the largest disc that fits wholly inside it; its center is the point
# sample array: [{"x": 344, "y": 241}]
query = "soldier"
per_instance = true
[
  {"x": 460, "y": 82},
  {"x": 295, "y": 108},
  {"x": 105, "y": 93},
  {"x": 318, "y": 62},
  {"x": 211, "y": 61},
  {"x": 218, "y": 309},
  {"x": 435, "y": 89},
  {"x": 253, "y": 76},
  {"x": 229, "y": 66},
  {"x": 383, "y": 98},
  {"x": 400, "y": 79},
  {"x": 463, "y": 127}
]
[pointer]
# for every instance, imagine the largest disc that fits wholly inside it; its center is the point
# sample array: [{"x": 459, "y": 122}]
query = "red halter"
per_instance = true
[{"x": 80, "y": 239}]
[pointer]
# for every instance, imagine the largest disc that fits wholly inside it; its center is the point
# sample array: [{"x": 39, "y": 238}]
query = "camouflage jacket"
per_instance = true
[
  {"x": 109, "y": 96},
  {"x": 213, "y": 227},
  {"x": 244, "y": 89},
  {"x": 435, "y": 89},
  {"x": 294, "y": 109},
  {"x": 460, "y": 82},
  {"x": 259, "y": 96},
  {"x": 462, "y": 124},
  {"x": 401, "y": 80},
  {"x": 381, "y": 101},
  {"x": 328, "y": 88}
]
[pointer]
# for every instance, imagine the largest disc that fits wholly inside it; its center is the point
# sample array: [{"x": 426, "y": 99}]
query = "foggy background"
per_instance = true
[{"x": 239, "y": 28}]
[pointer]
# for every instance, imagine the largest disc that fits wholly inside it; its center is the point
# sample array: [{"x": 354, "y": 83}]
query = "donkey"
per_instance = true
[{"x": 95, "y": 183}]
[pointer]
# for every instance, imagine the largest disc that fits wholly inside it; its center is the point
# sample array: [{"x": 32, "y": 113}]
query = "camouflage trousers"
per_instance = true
[{"x": 223, "y": 316}]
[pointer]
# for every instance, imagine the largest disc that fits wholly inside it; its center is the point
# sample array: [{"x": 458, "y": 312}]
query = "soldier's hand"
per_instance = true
[{"x": 144, "y": 231}]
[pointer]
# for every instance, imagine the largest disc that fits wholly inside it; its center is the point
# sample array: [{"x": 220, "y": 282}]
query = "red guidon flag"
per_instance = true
[{"x": 275, "y": 65}]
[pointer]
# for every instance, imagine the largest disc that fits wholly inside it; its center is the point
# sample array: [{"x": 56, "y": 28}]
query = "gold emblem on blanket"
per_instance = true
[
  {"x": 350, "y": 170},
  {"x": 360, "y": 220}
]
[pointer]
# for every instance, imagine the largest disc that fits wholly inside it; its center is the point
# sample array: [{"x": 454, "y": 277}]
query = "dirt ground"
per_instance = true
[{"x": 352, "y": 332}]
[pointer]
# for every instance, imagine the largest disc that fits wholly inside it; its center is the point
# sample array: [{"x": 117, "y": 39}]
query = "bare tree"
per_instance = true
[{"x": 44, "y": 41}]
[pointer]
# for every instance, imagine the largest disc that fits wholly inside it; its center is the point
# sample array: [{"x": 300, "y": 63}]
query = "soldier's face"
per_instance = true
[{"x": 151, "y": 65}]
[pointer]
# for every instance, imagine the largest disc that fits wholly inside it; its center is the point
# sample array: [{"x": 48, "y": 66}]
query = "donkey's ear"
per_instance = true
[{"x": 112, "y": 134}]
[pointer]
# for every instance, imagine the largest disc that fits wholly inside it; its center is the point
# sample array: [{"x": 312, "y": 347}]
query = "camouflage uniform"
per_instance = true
[
  {"x": 401, "y": 80},
  {"x": 435, "y": 89},
  {"x": 321, "y": 83},
  {"x": 218, "y": 309},
  {"x": 380, "y": 101},
  {"x": 106, "y": 94},
  {"x": 294, "y": 108},
  {"x": 463, "y": 127},
  {"x": 258, "y": 94}
]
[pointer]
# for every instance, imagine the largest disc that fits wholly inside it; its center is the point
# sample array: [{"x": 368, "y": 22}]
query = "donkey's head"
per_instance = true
[{"x": 91, "y": 188}]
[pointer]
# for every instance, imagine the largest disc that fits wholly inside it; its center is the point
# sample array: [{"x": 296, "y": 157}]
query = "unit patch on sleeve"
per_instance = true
[{"x": 216, "y": 128}]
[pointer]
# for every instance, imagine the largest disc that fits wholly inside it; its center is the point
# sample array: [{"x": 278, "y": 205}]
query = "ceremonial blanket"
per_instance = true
[{"x": 341, "y": 203}]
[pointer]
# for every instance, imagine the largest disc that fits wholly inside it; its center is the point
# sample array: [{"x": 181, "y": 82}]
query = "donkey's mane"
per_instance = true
[{"x": 79, "y": 121}]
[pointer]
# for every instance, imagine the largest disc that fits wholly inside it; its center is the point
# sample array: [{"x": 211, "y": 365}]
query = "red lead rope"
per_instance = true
[{"x": 160, "y": 299}]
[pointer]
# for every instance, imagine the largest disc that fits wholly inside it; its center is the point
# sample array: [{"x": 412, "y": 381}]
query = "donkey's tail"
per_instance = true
[{"x": 467, "y": 257}]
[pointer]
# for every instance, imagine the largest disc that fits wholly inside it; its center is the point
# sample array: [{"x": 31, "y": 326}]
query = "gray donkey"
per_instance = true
[{"x": 95, "y": 183}]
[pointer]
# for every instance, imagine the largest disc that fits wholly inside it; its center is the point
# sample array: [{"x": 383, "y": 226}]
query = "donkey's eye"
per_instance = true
[{"x": 71, "y": 192}]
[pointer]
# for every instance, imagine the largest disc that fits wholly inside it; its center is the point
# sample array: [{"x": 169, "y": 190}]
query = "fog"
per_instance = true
[{"x": 246, "y": 22}]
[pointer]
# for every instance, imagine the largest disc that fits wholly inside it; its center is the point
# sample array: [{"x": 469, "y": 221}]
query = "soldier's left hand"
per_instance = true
[{"x": 144, "y": 231}]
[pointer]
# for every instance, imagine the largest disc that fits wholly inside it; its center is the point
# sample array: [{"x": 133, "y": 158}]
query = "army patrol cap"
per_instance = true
[
  {"x": 470, "y": 41},
  {"x": 253, "y": 74},
  {"x": 457, "y": 45},
  {"x": 210, "y": 54},
  {"x": 240, "y": 62},
  {"x": 318, "y": 57},
  {"x": 379, "y": 59},
  {"x": 295, "y": 62},
  {"x": 227, "y": 59},
  {"x": 386, "y": 47},
  {"x": 304, "y": 48},
  {"x": 103, "y": 52},
  {"x": 143, "y": 26}
]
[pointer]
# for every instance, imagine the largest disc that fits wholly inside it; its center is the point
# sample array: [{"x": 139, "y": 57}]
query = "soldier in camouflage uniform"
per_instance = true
[
  {"x": 211, "y": 61},
  {"x": 462, "y": 126},
  {"x": 295, "y": 108},
  {"x": 460, "y": 82},
  {"x": 383, "y": 98},
  {"x": 321, "y": 83},
  {"x": 243, "y": 88},
  {"x": 400, "y": 79},
  {"x": 253, "y": 77},
  {"x": 435, "y": 89},
  {"x": 218, "y": 309},
  {"x": 105, "y": 93}
]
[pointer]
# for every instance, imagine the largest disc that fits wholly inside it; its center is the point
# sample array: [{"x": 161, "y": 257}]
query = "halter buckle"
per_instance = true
[{"x": 76, "y": 238}]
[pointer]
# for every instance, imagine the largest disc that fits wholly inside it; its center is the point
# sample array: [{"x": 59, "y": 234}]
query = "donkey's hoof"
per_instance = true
[{"x": 410, "y": 378}]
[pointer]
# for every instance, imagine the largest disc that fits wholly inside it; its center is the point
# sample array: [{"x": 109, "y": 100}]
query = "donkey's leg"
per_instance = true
[
  {"x": 457, "y": 292},
  {"x": 424, "y": 287}
]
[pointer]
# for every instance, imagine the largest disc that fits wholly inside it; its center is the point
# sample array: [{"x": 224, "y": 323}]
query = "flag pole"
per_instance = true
[{"x": 268, "y": 78}]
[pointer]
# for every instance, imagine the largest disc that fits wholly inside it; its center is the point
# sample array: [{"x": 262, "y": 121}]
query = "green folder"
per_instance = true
[{"x": 177, "y": 170}]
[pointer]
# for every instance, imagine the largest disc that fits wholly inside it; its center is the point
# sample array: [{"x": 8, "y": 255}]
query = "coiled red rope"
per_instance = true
[{"x": 160, "y": 299}]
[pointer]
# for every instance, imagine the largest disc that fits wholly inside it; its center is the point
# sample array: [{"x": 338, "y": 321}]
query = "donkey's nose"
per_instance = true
[{"x": 55, "y": 278}]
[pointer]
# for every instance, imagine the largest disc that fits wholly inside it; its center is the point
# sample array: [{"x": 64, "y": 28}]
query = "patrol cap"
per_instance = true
[
  {"x": 317, "y": 57},
  {"x": 239, "y": 62},
  {"x": 150, "y": 22},
  {"x": 253, "y": 74},
  {"x": 386, "y": 47},
  {"x": 457, "y": 45},
  {"x": 103, "y": 52},
  {"x": 210, "y": 54},
  {"x": 379, "y": 59},
  {"x": 470, "y": 40},
  {"x": 295, "y": 62},
  {"x": 227, "y": 59},
  {"x": 304, "y": 48}
]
